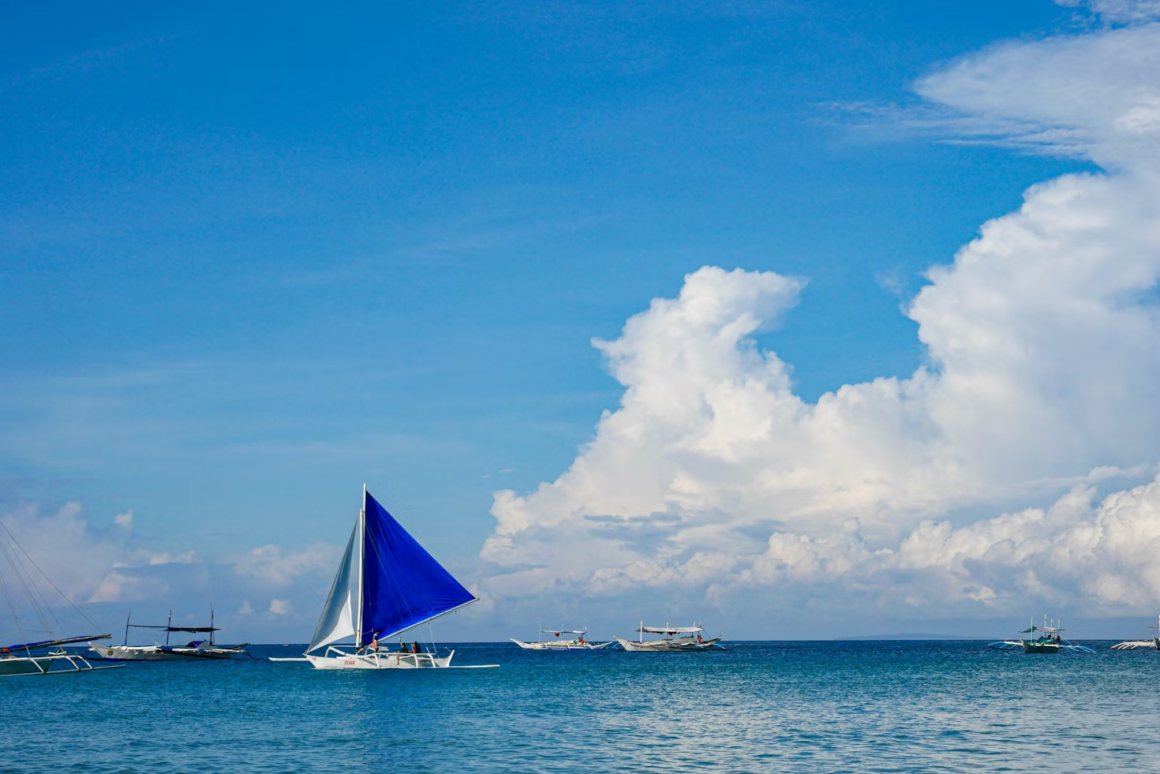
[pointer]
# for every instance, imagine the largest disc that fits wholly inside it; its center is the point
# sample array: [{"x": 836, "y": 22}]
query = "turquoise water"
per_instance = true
[{"x": 788, "y": 706}]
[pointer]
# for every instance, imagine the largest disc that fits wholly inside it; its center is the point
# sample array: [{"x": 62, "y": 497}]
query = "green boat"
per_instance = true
[{"x": 1041, "y": 639}]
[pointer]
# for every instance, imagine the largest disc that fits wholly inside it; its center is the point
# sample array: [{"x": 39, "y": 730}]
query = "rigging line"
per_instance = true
[
  {"x": 15, "y": 618},
  {"x": 17, "y": 570},
  {"x": 36, "y": 595},
  {"x": 50, "y": 583},
  {"x": 8, "y": 599}
]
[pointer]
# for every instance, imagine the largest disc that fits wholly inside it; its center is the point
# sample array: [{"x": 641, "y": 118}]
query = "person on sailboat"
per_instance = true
[
  {"x": 415, "y": 647},
  {"x": 375, "y": 643},
  {"x": 403, "y": 646}
]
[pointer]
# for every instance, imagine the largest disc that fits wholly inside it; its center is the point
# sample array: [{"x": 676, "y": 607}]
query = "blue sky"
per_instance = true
[{"x": 253, "y": 257}]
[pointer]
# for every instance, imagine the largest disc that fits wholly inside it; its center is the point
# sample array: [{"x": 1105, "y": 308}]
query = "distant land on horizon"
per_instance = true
[{"x": 909, "y": 636}]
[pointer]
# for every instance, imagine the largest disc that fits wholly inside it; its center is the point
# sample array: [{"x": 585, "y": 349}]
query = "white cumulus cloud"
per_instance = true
[
  {"x": 68, "y": 550},
  {"x": 1043, "y": 344}
]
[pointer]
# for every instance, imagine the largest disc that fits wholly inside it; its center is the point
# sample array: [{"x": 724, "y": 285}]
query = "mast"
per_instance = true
[
  {"x": 127, "y": 627},
  {"x": 362, "y": 526},
  {"x": 168, "y": 627}
]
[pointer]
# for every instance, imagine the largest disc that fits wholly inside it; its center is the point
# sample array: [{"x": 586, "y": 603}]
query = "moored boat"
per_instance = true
[
  {"x": 674, "y": 639},
  {"x": 205, "y": 648},
  {"x": 1045, "y": 639},
  {"x": 1149, "y": 644},
  {"x": 575, "y": 643}
]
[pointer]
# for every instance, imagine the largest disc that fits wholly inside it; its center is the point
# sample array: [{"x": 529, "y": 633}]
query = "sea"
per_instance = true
[{"x": 757, "y": 707}]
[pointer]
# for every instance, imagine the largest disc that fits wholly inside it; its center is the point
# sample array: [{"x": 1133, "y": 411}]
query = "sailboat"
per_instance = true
[
  {"x": 386, "y": 584},
  {"x": 45, "y": 656}
]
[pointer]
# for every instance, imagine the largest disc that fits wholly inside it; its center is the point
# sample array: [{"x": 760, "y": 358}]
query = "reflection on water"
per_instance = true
[{"x": 808, "y": 707}]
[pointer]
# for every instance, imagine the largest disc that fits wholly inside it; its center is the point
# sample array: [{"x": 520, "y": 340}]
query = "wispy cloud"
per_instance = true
[
  {"x": 1118, "y": 11},
  {"x": 1089, "y": 96}
]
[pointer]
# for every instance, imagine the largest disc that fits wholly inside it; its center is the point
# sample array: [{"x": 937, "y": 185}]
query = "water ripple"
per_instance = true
[{"x": 790, "y": 707}]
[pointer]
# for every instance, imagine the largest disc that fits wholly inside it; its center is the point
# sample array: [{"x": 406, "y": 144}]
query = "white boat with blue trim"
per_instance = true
[{"x": 203, "y": 648}]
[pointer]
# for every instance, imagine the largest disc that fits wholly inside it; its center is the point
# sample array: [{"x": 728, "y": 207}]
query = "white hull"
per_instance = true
[
  {"x": 381, "y": 660},
  {"x": 158, "y": 653},
  {"x": 130, "y": 653},
  {"x": 561, "y": 646},
  {"x": 680, "y": 645}
]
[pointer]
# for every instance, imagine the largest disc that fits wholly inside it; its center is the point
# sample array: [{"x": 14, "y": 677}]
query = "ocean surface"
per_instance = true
[{"x": 759, "y": 707}]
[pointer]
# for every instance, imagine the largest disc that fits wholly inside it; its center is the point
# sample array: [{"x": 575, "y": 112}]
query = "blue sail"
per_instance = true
[{"x": 402, "y": 584}]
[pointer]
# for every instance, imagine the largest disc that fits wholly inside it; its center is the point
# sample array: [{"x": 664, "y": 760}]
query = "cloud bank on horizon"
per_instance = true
[
  {"x": 1043, "y": 347},
  {"x": 112, "y": 567}
]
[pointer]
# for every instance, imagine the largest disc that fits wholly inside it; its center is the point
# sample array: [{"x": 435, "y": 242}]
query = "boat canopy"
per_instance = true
[
  {"x": 670, "y": 629},
  {"x": 195, "y": 629},
  {"x": 386, "y": 583},
  {"x": 558, "y": 632}
]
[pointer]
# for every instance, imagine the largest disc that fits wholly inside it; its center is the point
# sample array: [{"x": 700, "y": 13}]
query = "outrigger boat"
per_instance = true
[
  {"x": 670, "y": 642},
  {"x": 42, "y": 657},
  {"x": 1042, "y": 639},
  {"x": 54, "y": 660},
  {"x": 576, "y": 643},
  {"x": 157, "y": 652},
  {"x": 386, "y": 584},
  {"x": 1153, "y": 643}
]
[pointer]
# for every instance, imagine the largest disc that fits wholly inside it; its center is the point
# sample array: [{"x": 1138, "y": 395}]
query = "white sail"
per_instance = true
[{"x": 338, "y": 614}]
